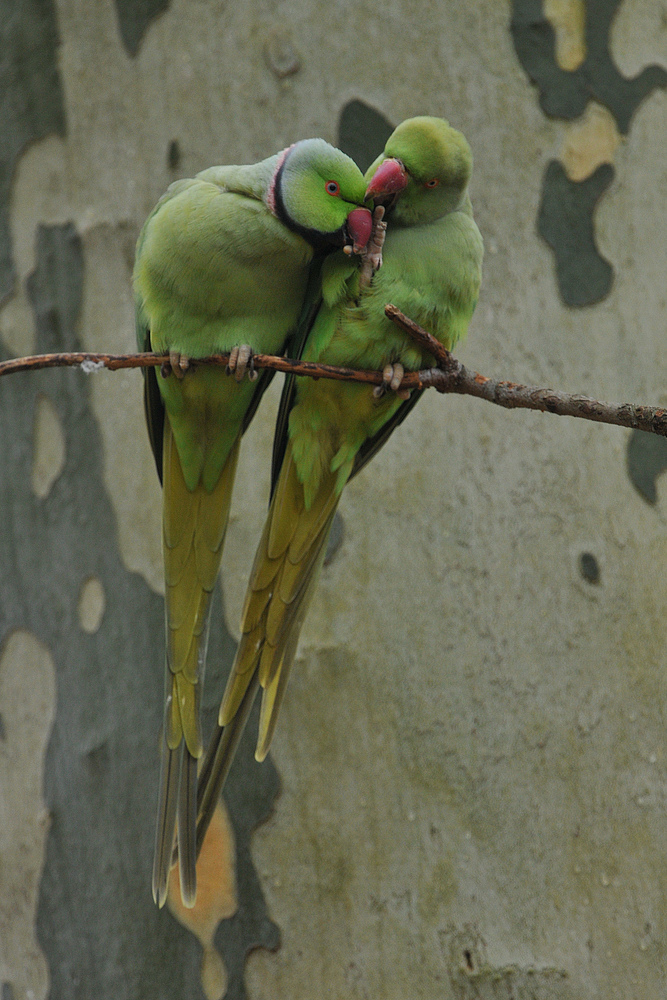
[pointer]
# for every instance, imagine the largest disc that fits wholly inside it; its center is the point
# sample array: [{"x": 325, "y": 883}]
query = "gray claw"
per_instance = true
[
  {"x": 178, "y": 363},
  {"x": 396, "y": 376},
  {"x": 240, "y": 361},
  {"x": 392, "y": 376},
  {"x": 233, "y": 358}
]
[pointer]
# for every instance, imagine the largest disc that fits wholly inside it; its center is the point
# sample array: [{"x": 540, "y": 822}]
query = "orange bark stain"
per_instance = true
[{"x": 216, "y": 898}]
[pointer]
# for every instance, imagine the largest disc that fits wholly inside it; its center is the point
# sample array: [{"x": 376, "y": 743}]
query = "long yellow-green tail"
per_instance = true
[
  {"x": 282, "y": 581},
  {"x": 193, "y": 531}
]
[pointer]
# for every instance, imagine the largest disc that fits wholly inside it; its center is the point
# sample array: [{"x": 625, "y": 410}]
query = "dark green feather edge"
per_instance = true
[
  {"x": 372, "y": 445},
  {"x": 294, "y": 349},
  {"x": 153, "y": 408}
]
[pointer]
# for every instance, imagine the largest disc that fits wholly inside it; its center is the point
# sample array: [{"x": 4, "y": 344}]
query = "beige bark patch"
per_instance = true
[
  {"x": 568, "y": 19},
  {"x": 588, "y": 143},
  {"x": 27, "y": 696},
  {"x": 216, "y": 899},
  {"x": 17, "y": 325},
  {"x": 48, "y": 457},
  {"x": 92, "y": 604}
]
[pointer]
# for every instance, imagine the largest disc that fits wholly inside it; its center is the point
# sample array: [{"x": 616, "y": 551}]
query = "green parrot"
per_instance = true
[
  {"x": 222, "y": 265},
  {"x": 328, "y": 430}
]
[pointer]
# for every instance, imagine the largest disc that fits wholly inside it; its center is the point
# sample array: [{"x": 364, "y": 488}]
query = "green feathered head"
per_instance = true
[
  {"x": 435, "y": 163},
  {"x": 320, "y": 192}
]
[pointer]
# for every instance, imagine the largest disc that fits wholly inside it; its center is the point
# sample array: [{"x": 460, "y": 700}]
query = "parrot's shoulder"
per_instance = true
[
  {"x": 220, "y": 196},
  {"x": 250, "y": 180},
  {"x": 203, "y": 230},
  {"x": 185, "y": 200},
  {"x": 174, "y": 189},
  {"x": 172, "y": 192}
]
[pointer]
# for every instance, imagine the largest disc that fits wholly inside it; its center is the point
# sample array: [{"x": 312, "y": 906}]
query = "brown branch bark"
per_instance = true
[
  {"x": 449, "y": 376},
  {"x": 115, "y": 361}
]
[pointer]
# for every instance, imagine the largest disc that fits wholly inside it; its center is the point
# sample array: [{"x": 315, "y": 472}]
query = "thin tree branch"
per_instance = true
[
  {"x": 449, "y": 376},
  {"x": 88, "y": 361},
  {"x": 91, "y": 362},
  {"x": 446, "y": 362}
]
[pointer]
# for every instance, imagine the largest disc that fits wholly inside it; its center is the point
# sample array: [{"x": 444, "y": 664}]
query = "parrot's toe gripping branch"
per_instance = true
[
  {"x": 240, "y": 361},
  {"x": 177, "y": 365},
  {"x": 392, "y": 376}
]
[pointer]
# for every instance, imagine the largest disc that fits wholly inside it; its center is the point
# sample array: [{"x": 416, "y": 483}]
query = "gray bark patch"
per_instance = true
[
  {"x": 134, "y": 17},
  {"x": 32, "y": 99},
  {"x": 646, "y": 459},
  {"x": 565, "y": 93},
  {"x": 362, "y": 133},
  {"x": 566, "y": 213},
  {"x": 565, "y": 222}
]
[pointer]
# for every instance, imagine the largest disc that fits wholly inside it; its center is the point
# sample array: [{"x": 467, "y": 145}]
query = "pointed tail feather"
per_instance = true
[
  {"x": 283, "y": 579},
  {"x": 170, "y": 776},
  {"x": 187, "y": 815},
  {"x": 278, "y": 674},
  {"x": 218, "y": 759}
]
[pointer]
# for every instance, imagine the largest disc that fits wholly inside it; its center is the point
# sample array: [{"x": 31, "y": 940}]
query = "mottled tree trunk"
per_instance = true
[{"x": 471, "y": 752}]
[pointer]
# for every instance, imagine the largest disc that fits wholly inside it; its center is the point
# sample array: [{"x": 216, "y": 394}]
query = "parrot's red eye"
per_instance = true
[
  {"x": 433, "y": 183},
  {"x": 332, "y": 187}
]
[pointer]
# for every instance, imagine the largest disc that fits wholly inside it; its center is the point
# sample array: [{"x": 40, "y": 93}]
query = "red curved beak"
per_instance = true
[
  {"x": 359, "y": 227},
  {"x": 389, "y": 178}
]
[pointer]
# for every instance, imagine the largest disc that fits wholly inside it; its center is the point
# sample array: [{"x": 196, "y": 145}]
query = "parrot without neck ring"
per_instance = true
[
  {"x": 222, "y": 264},
  {"x": 327, "y": 431}
]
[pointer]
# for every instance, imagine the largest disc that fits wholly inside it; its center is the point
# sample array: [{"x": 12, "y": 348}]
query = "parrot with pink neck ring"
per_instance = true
[{"x": 222, "y": 265}]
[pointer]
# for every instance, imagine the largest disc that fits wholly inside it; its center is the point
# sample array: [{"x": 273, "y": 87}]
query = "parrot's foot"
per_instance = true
[
  {"x": 240, "y": 361},
  {"x": 392, "y": 376},
  {"x": 177, "y": 365},
  {"x": 371, "y": 256}
]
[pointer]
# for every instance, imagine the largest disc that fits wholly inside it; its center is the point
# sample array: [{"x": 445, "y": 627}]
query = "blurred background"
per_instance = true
[{"x": 466, "y": 791}]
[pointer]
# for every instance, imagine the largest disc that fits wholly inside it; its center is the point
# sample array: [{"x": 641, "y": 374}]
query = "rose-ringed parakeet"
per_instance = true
[
  {"x": 328, "y": 430},
  {"x": 222, "y": 265}
]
